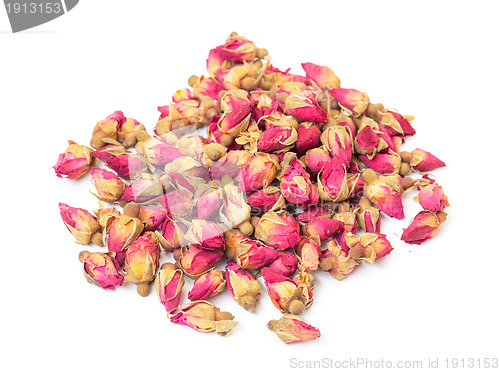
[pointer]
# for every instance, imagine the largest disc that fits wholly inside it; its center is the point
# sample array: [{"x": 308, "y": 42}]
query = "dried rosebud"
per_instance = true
[
  {"x": 168, "y": 283},
  {"x": 242, "y": 286},
  {"x": 277, "y": 138},
  {"x": 108, "y": 185},
  {"x": 79, "y": 222},
  {"x": 204, "y": 234},
  {"x": 316, "y": 159},
  {"x": 172, "y": 234},
  {"x": 107, "y": 129},
  {"x": 345, "y": 213},
  {"x": 309, "y": 252},
  {"x": 143, "y": 189},
  {"x": 157, "y": 151},
  {"x": 292, "y": 329},
  {"x": 367, "y": 141},
  {"x": 208, "y": 200},
  {"x": 383, "y": 163},
  {"x": 123, "y": 231},
  {"x": 336, "y": 261},
  {"x": 368, "y": 217},
  {"x": 302, "y": 104},
  {"x": 237, "y": 49},
  {"x": 179, "y": 202},
  {"x": 321, "y": 75},
  {"x": 286, "y": 295},
  {"x": 285, "y": 264},
  {"x": 207, "y": 87},
  {"x": 384, "y": 193},
  {"x": 296, "y": 185},
  {"x": 196, "y": 261},
  {"x": 267, "y": 199},
  {"x": 152, "y": 216},
  {"x": 432, "y": 198},
  {"x": 127, "y": 165},
  {"x": 216, "y": 62},
  {"x": 337, "y": 140},
  {"x": 251, "y": 254},
  {"x": 368, "y": 246},
  {"x": 101, "y": 269},
  {"x": 259, "y": 172},
  {"x": 332, "y": 181},
  {"x": 324, "y": 227},
  {"x": 280, "y": 232},
  {"x": 421, "y": 160},
  {"x": 127, "y": 133},
  {"x": 308, "y": 137},
  {"x": 404, "y": 122},
  {"x": 202, "y": 316},
  {"x": 352, "y": 100},
  {"x": 207, "y": 285},
  {"x": 424, "y": 226},
  {"x": 235, "y": 210},
  {"x": 142, "y": 259},
  {"x": 237, "y": 107},
  {"x": 74, "y": 162},
  {"x": 230, "y": 164}
]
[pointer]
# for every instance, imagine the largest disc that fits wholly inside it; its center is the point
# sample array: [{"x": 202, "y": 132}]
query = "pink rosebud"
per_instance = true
[
  {"x": 302, "y": 104},
  {"x": 168, "y": 284},
  {"x": 204, "y": 234},
  {"x": 108, "y": 185},
  {"x": 285, "y": 264},
  {"x": 280, "y": 232},
  {"x": 237, "y": 49},
  {"x": 354, "y": 101},
  {"x": 152, "y": 216},
  {"x": 230, "y": 164},
  {"x": 255, "y": 255},
  {"x": 308, "y": 137},
  {"x": 207, "y": 87},
  {"x": 423, "y": 161},
  {"x": 74, "y": 162},
  {"x": 368, "y": 246},
  {"x": 268, "y": 199},
  {"x": 142, "y": 189},
  {"x": 207, "y": 285},
  {"x": 292, "y": 329},
  {"x": 259, "y": 172},
  {"x": 367, "y": 216},
  {"x": 142, "y": 259},
  {"x": 107, "y": 129},
  {"x": 296, "y": 185},
  {"x": 286, "y": 295},
  {"x": 202, "y": 316},
  {"x": 432, "y": 198},
  {"x": 309, "y": 252},
  {"x": 277, "y": 139},
  {"x": 384, "y": 194},
  {"x": 424, "y": 226},
  {"x": 235, "y": 210},
  {"x": 332, "y": 181},
  {"x": 79, "y": 222},
  {"x": 383, "y": 163},
  {"x": 408, "y": 130},
  {"x": 179, "y": 203},
  {"x": 127, "y": 133},
  {"x": 237, "y": 107},
  {"x": 173, "y": 234},
  {"x": 282, "y": 77},
  {"x": 321, "y": 75},
  {"x": 336, "y": 261},
  {"x": 196, "y": 261},
  {"x": 127, "y": 165},
  {"x": 158, "y": 152},
  {"x": 208, "y": 201},
  {"x": 102, "y": 270},
  {"x": 316, "y": 159},
  {"x": 337, "y": 140},
  {"x": 215, "y": 62},
  {"x": 366, "y": 141},
  {"x": 323, "y": 227},
  {"x": 242, "y": 286},
  {"x": 123, "y": 231}
]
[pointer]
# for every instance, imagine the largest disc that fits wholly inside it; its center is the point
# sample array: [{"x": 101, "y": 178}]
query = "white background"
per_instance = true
[{"x": 435, "y": 60}]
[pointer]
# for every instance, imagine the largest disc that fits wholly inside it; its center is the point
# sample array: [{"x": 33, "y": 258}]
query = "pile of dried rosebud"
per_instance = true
[{"x": 291, "y": 178}]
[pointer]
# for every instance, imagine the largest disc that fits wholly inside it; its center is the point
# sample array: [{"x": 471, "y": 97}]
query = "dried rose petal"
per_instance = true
[
  {"x": 291, "y": 329},
  {"x": 74, "y": 162}
]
